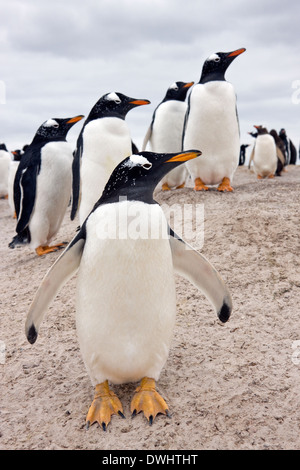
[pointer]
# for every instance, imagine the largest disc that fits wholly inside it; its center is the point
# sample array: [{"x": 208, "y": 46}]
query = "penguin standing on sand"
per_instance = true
[
  {"x": 5, "y": 159},
  {"x": 212, "y": 125},
  {"x": 104, "y": 141},
  {"x": 42, "y": 186},
  {"x": 126, "y": 302},
  {"x": 280, "y": 151},
  {"x": 264, "y": 154},
  {"x": 243, "y": 154},
  {"x": 290, "y": 149},
  {"x": 165, "y": 132}
]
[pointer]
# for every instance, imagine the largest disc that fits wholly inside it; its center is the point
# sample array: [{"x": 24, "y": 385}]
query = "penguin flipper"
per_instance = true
[
  {"x": 25, "y": 196},
  {"x": 60, "y": 272},
  {"x": 76, "y": 177},
  {"x": 195, "y": 268}
]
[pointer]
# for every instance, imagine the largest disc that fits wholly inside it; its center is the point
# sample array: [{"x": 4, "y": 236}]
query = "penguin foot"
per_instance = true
[
  {"x": 43, "y": 250},
  {"x": 199, "y": 185},
  {"x": 165, "y": 187},
  {"x": 104, "y": 405},
  {"x": 15, "y": 215},
  {"x": 181, "y": 186},
  {"x": 148, "y": 400},
  {"x": 225, "y": 185},
  {"x": 271, "y": 176},
  {"x": 259, "y": 177}
]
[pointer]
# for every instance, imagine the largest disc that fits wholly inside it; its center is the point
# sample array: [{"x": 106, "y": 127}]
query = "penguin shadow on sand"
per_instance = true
[{"x": 125, "y": 305}]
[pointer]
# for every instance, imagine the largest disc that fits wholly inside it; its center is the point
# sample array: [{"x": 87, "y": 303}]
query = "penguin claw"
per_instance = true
[
  {"x": 104, "y": 405},
  {"x": 148, "y": 400}
]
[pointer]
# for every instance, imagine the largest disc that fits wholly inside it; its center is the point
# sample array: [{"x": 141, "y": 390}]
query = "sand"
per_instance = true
[{"x": 228, "y": 386}]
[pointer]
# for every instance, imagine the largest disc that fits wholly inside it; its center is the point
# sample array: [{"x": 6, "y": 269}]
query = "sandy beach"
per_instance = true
[{"x": 228, "y": 386}]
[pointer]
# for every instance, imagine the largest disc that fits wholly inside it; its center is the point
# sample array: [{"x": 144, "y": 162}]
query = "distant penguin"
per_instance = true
[
  {"x": 212, "y": 125},
  {"x": 5, "y": 159},
  {"x": 290, "y": 149},
  {"x": 264, "y": 154},
  {"x": 104, "y": 141},
  {"x": 14, "y": 164},
  {"x": 280, "y": 151},
  {"x": 42, "y": 186},
  {"x": 126, "y": 304},
  {"x": 243, "y": 154},
  {"x": 165, "y": 131}
]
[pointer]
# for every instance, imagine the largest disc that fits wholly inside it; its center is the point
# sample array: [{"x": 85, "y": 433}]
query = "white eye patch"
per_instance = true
[
  {"x": 214, "y": 57},
  {"x": 113, "y": 97},
  {"x": 51, "y": 123},
  {"x": 174, "y": 86},
  {"x": 139, "y": 160}
]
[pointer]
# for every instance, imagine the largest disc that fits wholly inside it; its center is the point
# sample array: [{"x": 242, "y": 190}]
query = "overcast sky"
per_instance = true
[{"x": 57, "y": 58}]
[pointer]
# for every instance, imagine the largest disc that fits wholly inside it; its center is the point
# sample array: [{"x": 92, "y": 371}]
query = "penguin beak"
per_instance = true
[
  {"x": 75, "y": 119},
  {"x": 236, "y": 53},
  {"x": 188, "y": 85},
  {"x": 184, "y": 156},
  {"x": 139, "y": 102}
]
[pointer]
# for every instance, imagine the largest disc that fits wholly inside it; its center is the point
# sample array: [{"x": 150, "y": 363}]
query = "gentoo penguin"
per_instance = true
[
  {"x": 5, "y": 159},
  {"x": 290, "y": 148},
  {"x": 165, "y": 132},
  {"x": 14, "y": 164},
  {"x": 264, "y": 154},
  {"x": 42, "y": 186},
  {"x": 280, "y": 152},
  {"x": 126, "y": 255},
  {"x": 104, "y": 141},
  {"x": 211, "y": 124}
]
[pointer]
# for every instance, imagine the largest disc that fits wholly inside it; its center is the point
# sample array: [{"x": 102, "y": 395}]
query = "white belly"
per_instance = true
[
  {"x": 125, "y": 300},
  {"x": 53, "y": 192},
  {"x": 106, "y": 142},
  {"x": 4, "y": 170},
  {"x": 11, "y": 178},
  {"x": 212, "y": 128},
  {"x": 265, "y": 158}
]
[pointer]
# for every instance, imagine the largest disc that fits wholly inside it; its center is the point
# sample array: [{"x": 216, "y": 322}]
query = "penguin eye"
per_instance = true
[
  {"x": 56, "y": 125},
  {"x": 217, "y": 59},
  {"x": 147, "y": 166}
]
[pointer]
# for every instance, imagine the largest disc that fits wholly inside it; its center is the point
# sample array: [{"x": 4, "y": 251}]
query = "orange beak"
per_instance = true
[
  {"x": 75, "y": 119},
  {"x": 237, "y": 52},
  {"x": 188, "y": 85},
  {"x": 185, "y": 156},
  {"x": 140, "y": 102}
]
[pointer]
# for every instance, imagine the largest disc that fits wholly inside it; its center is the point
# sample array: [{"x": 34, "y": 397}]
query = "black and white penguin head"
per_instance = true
[
  {"x": 261, "y": 130},
  {"x": 114, "y": 105},
  {"x": 137, "y": 176},
  {"x": 216, "y": 64},
  {"x": 3, "y": 147},
  {"x": 178, "y": 91},
  {"x": 56, "y": 128}
]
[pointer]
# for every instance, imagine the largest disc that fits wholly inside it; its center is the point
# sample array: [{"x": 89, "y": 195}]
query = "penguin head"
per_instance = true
[
  {"x": 3, "y": 147},
  {"x": 178, "y": 91},
  {"x": 114, "y": 105},
  {"x": 261, "y": 130},
  {"x": 137, "y": 176},
  {"x": 215, "y": 66},
  {"x": 56, "y": 128}
]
